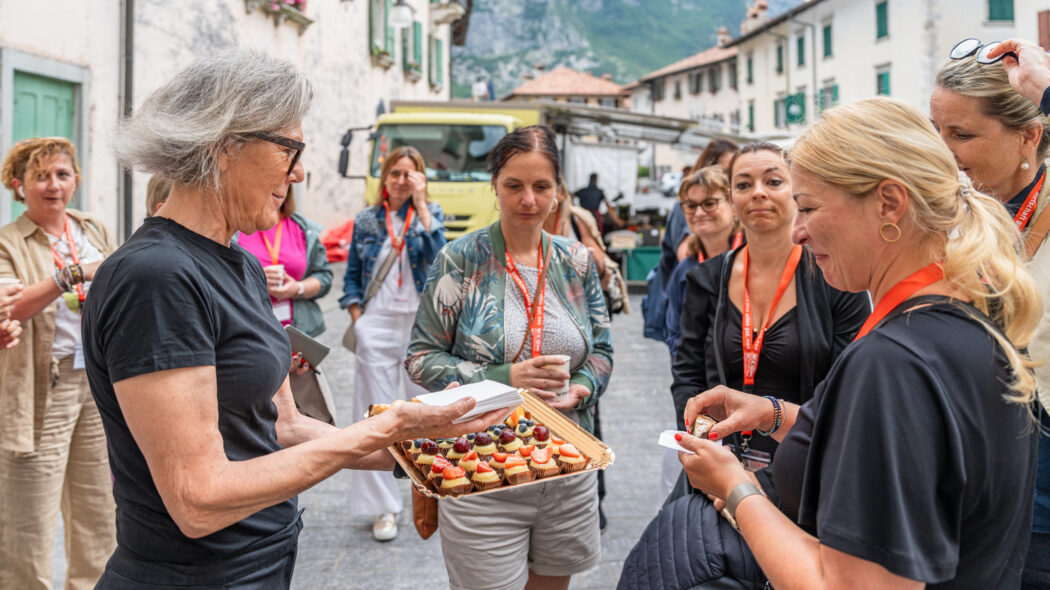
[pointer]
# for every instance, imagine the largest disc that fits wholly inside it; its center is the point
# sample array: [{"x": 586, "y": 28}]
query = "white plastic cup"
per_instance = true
[
  {"x": 563, "y": 364},
  {"x": 273, "y": 268}
]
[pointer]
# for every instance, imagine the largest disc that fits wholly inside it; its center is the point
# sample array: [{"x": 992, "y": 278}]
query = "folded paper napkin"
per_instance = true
[{"x": 490, "y": 395}]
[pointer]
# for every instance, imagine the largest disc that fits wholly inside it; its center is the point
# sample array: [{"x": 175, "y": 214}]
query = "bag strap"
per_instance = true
[
  {"x": 539, "y": 289},
  {"x": 1038, "y": 233},
  {"x": 380, "y": 276}
]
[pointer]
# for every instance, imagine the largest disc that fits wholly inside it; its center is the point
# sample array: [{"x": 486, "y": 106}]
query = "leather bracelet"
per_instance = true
[
  {"x": 76, "y": 274},
  {"x": 740, "y": 492},
  {"x": 62, "y": 286}
]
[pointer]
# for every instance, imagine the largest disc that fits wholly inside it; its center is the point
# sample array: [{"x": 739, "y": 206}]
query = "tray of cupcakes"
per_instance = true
[{"x": 536, "y": 443}]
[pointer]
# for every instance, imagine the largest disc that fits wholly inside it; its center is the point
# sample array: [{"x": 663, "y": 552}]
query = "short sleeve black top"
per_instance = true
[
  {"x": 908, "y": 455},
  {"x": 170, "y": 298}
]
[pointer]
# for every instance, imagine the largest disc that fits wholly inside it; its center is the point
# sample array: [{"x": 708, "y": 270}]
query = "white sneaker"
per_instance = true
[{"x": 385, "y": 527}]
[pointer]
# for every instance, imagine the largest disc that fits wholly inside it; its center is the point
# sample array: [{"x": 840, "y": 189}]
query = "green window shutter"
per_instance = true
[
  {"x": 751, "y": 117},
  {"x": 835, "y": 95},
  {"x": 801, "y": 51},
  {"x": 780, "y": 58},
  {"x": 882, "y": 25},
  {"x": 827, "y": 40},
  {"x": 882, "y": 83},
  {"x": 750, "y": 70},
  {"x": 417, "y": 43},
  {"x": 1001, "y": 10},
  {"x": 439, "y": 59},
  {"x": 795, "y": 108},
  {"x": 389, "y": 39}
]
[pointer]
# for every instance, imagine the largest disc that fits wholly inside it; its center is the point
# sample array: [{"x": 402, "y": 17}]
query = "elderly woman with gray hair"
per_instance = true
[{"x": 187, "y": 363}]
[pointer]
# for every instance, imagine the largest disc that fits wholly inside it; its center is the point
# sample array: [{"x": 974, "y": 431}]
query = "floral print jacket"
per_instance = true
[{"x": 459, "y": 329}]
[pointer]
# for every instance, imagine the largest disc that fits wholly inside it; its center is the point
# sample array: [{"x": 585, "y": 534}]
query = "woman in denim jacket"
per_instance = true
[{"x": 404, "y": 223}]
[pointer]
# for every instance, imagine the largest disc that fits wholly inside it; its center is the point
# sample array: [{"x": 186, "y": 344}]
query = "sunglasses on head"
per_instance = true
[{"x": 967, "y": 47}]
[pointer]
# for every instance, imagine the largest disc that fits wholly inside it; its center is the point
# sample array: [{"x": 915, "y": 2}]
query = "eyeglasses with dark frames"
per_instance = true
[
  {"x": 708, "y": 205},
  {"x": 967, "y": 47},
  {"x": 287, "y": 142}
]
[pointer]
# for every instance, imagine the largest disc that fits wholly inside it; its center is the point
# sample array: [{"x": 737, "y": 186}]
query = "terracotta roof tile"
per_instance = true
[
  {"x": 705, "y": 57},
  {"x": 562, "y": 81}
]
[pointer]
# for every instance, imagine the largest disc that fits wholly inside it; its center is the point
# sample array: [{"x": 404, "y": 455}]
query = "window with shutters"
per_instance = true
[
  {"x": 829, "y": 96},
  {"x": 1001, "y": 10},
  {"x": 882, "y": 20},
  {"x": 801, "y": 42},
  {"x": 657, "y": 89},
  {"x": 380, "y": 33},
  {"x": 882, "y": 80},
  {"x": 696, "y": 82},
  {"x": 780, "y": 58},
  {"x": 732, "y": 75},
  {"x": 751, "y": 116},
  {"x": 827, "y": 40},
  {"x": 412, "y": 50},
  {"x": 750, "y": 69},
  {"x": 715, "y": 79},
  {"x": 437, "y": 63}
]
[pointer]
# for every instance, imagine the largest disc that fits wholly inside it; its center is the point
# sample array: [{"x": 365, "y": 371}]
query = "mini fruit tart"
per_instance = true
[
  {"x": 571, "y": 459},
  {"x": 486, "y": 478},
  {"x": 454, "y": 481},
  {"x": 437, "y": 469},
  {"x": 428, "y": 449},
  {"x": 498, "y": 462},
  {"x": 413, "y": 448},
  {"x": 508, "y": 443},
  {"x": 459, "y": 449},
  {"x": 516, "y": 470},
  {"x": 445, "y": 444},
  {"x": 469, "y": 462},
  {"x": 483, "y": 445},
  {"x": 542, "y": 463},
  {"x": 541, "y": 436},
  {"x": 524, "y": 429},
  {"x": 525, "y": 450}
]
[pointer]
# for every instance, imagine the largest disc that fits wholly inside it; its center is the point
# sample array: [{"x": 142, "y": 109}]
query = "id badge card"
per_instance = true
[
  {"x": 282, "y": 310},
  {"x": 753, "y": 460}
]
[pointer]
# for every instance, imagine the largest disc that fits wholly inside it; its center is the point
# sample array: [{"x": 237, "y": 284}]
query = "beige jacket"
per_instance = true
[
  {"x": 25, "y": 370},
  {"x": 1040, "y": 269}
]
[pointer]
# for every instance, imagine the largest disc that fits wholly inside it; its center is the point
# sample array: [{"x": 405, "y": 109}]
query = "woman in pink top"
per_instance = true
[{"x": 296, "y": 267}]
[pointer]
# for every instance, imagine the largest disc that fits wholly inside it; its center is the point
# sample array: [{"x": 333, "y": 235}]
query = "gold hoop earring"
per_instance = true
[{"x": 882, "y": 229}]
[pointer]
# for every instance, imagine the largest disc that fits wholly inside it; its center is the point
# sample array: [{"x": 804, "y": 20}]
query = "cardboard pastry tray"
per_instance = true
[{"x": 600, "y": 455}]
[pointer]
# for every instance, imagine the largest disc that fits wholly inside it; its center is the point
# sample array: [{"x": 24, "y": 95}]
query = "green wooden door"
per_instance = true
[{"x": 43, "y": 108}]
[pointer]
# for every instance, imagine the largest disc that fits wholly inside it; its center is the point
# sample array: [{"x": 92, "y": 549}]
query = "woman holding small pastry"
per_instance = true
[
  {"x": 500, "y": 304},
  {"x": 914, "y": 463}
]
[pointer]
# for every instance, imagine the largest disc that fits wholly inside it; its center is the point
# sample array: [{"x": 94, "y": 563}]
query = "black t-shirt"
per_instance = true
[
  {"x": 590, "y": 197},
  {"x": 170, "y": 298},
  {"x": 908, "y": 455}
]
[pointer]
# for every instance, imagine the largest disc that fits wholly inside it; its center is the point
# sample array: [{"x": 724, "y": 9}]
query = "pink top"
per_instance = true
[{"x": 292, "y": 252}]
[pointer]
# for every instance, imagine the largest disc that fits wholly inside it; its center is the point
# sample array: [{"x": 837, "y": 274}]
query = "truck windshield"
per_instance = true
[{"x": 453, "y": 153}]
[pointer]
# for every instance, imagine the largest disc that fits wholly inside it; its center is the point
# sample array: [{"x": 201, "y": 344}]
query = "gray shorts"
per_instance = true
[{"x": 491, "y": 542}]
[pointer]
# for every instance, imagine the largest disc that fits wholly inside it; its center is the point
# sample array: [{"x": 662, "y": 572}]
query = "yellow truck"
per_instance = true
[{"x": 455, "y": 140}]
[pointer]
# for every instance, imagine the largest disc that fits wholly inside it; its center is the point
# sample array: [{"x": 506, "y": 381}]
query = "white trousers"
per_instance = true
[{"x": 380, "y": 378}]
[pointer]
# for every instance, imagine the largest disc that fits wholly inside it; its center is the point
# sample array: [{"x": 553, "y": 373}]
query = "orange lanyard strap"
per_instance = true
[
  {"x": 275, "y": 248},
  {"x": 535, "y": 319},
  {"x": 738, "y": 239},
  {"x": 1024, "y": 214},
  {"x": 752, "y": 349},
  {"x": 397, "y": 241},
  {"x": 81, "y": 295},
  {"x": 921, "y": 278}
]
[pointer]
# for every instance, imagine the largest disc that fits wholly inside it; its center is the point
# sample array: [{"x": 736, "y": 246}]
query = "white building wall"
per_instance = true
[
  {"x": 920, "y": 36},
  {"x": 334, "y": 52},
  {"x": 1025, "y": 22}
]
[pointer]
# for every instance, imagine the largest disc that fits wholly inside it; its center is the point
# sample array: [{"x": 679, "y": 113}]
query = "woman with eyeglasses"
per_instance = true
[
  {"x": 993, "y": 117},
  {"x": 186, "y": 360},
  {"x": 704, "y": 196},
  {"x": 394, "y": 243}
]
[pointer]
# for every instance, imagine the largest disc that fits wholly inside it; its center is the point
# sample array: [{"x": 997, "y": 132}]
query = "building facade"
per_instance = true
[
  {"x": 564, "y": 84},
  {"x": 71, "y": 68},
  {"x": 824, "y": 52}
]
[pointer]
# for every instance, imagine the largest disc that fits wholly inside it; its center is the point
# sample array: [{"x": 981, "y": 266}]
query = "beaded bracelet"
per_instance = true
[
  {"x": 60, "y": 282},
  {"x": 76, "y": 274},
  {"x": 778, "y": 416}
]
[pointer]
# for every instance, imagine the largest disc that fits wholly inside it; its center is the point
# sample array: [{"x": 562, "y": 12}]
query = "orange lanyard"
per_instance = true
[
  {"x": 737, "y": 240},
  {"x": 752, "y": 350},
  {"x": 275, "y": 248},
  {"x": 923, "y": 277},
  {"x": 397, "y": 241},
  {"x": 72, "y": 254},
  {"x": 1024, "y": 214},
  {"x": 535, "y": 319}
]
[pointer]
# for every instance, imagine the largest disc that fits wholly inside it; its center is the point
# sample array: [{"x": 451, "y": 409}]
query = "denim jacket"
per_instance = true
[
  {"x": 306, "y": 313},
  {"x": 367, "y": 242}
]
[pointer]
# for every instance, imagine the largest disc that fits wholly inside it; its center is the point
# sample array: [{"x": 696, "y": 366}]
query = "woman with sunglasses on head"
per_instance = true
[
  {"x": 394, "y": 243},
  {"x": 989, "y": 116},
  {"x": 499, "y": 304},
  {"x": 187, "y": 363},
  {"x": 52, "y": 446}
]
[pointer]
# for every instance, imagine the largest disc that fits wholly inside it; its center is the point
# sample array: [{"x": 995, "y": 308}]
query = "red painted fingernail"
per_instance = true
[
  {"x": 678, "y": 436},
  {"x": 713, "y": 436}
]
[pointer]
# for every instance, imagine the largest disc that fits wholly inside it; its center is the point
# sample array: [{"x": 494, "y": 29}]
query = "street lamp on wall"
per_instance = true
[{"x": 401, "y": 15}]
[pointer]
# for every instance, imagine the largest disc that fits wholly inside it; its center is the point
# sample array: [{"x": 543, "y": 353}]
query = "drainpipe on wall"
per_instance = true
[{"x": 127, "y": 70}]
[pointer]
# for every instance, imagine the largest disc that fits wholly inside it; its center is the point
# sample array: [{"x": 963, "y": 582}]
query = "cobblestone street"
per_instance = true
[{"x": 336, "y": 551}]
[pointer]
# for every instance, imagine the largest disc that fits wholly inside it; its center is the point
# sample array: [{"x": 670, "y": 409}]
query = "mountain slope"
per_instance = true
[{"x": 625, "y": 38}]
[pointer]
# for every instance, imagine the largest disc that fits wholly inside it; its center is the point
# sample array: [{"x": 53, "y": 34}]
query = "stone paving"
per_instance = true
[{"x": 336, "y": 551}]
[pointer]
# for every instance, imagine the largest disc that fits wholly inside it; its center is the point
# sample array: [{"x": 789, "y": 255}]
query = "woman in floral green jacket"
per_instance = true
[{"x": 476, "y": 321}]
